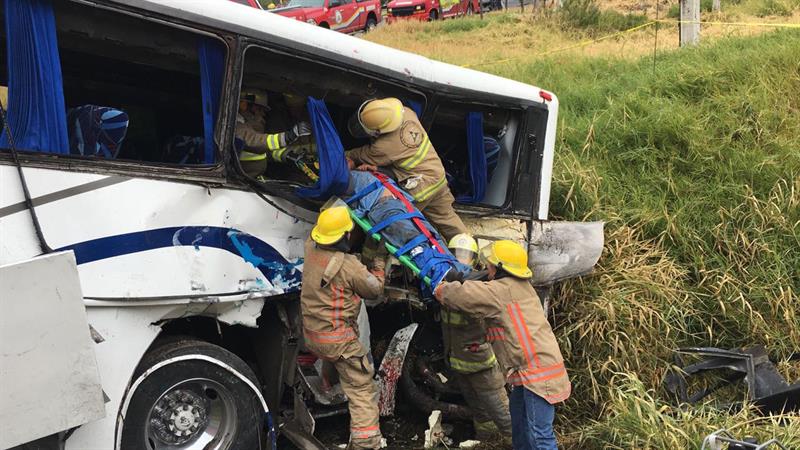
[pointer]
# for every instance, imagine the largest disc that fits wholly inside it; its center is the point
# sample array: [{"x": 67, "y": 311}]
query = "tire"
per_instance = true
[
  {"x": 325, "y": 25},
  {"x": 202, "y": 404},
  {"x": 433, "y": 15},
  {"x": 372, "y": 23}
]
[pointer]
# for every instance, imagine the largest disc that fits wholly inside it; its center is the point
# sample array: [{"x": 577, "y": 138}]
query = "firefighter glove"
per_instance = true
[{"x": 298, "y": 130}]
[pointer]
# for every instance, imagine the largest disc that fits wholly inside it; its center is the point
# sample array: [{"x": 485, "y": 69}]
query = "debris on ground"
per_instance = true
[
  {"x": 722, "y": 440},
  {"x": 469, "y": 444},
  {"x": 434, "y": 435},
  {"x": 766, "y": 388}
]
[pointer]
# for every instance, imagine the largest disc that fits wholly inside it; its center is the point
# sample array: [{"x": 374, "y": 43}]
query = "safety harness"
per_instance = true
[{"x": 432, "y": 261}]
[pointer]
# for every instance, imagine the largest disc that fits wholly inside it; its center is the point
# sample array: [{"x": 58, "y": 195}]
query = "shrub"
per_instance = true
[
  {"x": 774, "y": 8},
  {"x": 586, "y": 15},
  {"x": 580, "y": 13}
]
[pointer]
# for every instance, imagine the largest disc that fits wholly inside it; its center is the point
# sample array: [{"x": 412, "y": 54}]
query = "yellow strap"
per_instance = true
[
  {"x": 425, "y": 194},
  {"x": 422, "y": 152},
  {"x": 247, "y": 156},
  {"x": 471, "y": 367}
]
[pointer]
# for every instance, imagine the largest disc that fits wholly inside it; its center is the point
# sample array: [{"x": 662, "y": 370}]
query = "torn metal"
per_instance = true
[
  {"x": 767, "y": 389},
  {"x": 724, "y": 440},
  {"x": 392, "y": 367}
]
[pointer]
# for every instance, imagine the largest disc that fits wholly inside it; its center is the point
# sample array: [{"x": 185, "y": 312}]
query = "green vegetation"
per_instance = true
[
  {"x": 586, "y": 15},
  {"x": 696, "y": 170}
]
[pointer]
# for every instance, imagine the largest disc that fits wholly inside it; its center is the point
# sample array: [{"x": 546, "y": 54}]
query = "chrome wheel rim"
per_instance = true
[{"x": 196, "y": 414}]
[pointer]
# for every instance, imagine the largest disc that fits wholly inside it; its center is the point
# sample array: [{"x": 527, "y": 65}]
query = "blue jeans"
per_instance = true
[{"x": 531, "y": 421}]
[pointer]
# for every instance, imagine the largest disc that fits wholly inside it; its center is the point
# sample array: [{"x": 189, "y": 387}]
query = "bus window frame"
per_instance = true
[
  {"x": 523, "y": 111},
  {"x": 208, "y": 173},
  {"x": 246, "y": 43}
]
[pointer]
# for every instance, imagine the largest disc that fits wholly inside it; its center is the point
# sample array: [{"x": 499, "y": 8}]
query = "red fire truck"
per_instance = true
[
  {"x": 430, "y": 9},
  {"x": 346, "y": 16}
]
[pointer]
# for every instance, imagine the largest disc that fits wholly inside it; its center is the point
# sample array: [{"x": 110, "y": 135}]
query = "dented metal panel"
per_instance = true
[
  {"x": 561, "y": 250},
  {"x": 49, "y": 377}
]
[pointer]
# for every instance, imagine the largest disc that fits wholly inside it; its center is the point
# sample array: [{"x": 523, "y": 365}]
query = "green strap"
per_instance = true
[{"x": 405, "y": 260}]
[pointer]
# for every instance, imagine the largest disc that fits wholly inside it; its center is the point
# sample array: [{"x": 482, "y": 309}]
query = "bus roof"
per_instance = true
[{"x": 262, "y": 25}]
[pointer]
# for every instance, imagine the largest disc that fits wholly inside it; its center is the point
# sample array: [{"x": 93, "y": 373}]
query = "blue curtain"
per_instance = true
[
  {"x": 211, "y": 54},
  {"x": 333, "y": 173},
  {"x": 415, "y": 106},
  {"x": 477, "y": 158},
  {"x": 36, "y": 113}
]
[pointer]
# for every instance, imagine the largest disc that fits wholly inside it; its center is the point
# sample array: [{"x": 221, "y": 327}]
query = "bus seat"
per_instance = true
[{"x": 96, "y": 130}]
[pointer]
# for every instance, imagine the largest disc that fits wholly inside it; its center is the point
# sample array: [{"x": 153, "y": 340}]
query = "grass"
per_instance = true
[{"x": 695, "y": 168}]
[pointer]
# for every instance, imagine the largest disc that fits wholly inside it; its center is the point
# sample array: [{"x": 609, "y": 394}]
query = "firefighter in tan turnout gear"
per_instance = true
[
  {"x": 333, "y": 284},
  {"x": 471, "y": 356},
  {"x": 522, "y": 339},
  {"x": 251, "y": 125},
  {"x": 400, "y": 143}
]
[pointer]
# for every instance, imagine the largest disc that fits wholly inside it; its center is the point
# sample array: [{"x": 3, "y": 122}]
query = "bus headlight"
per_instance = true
[
  {"x": 390, "y": 10},
  {"x": 418, "y": 8}
]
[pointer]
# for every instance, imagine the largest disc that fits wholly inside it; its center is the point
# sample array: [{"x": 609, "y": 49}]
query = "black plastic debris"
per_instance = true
[{"x": 767, "y": 389}]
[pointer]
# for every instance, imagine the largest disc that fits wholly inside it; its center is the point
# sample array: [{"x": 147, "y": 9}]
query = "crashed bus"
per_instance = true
[{"x": 150, "y": 286}]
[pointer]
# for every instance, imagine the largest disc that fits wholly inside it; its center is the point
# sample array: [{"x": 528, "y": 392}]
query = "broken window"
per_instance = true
[
  {"x": 455, "y": 133},
  {"x": 287, "y": 80},
  {"x": 135, "y": 89}
]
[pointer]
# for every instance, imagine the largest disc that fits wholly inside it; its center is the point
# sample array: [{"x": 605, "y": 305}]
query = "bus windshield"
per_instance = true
[{"x": 307, "y": 3}]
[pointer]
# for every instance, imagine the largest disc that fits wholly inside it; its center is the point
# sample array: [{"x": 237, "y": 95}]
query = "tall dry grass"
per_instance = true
[{"x": 695, "y": 167}]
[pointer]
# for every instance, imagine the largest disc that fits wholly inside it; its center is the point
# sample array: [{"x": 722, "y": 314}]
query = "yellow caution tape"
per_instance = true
[
  {"x": 737, "y": 24},
  {"x": 631, "y": 30}
]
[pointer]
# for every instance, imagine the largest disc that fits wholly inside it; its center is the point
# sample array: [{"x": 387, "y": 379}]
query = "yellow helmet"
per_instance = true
[
  {"x": 509, "y": 256},
  {"x": 464, "y": 248},
  {"x": 255, "y": 96},
  {"x": 381, "y": 116},
  {"x": 332, "y": 224}
]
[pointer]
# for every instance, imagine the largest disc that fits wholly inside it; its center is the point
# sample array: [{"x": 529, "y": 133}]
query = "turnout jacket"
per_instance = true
[
  {"x": 522, "y": 339},
  {"x": 333, "y": 284},
  {"x": 257, "y": 143},
  {"x": 411, "y": 156}
]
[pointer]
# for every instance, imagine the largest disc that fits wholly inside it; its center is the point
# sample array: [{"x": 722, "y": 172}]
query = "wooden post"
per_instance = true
[
  {"x": 715, "y": 6},
  {"x": 690, "y": 23}
]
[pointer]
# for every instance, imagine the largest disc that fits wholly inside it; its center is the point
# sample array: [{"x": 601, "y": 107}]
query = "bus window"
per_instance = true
[
  {"x": 135, "y": 90},
  {"x": 286, "y": 81},
  {"x": 448, "y": 133}
]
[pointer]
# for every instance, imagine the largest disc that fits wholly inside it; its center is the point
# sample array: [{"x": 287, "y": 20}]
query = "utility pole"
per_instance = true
[{"x": 690, "y": 23}]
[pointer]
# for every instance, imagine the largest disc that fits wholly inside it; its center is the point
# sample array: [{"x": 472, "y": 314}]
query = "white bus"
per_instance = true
[{"x": 189, "y": 271}]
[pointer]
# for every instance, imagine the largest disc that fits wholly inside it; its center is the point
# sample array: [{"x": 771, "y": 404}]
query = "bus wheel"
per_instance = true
[
  {"x": 433, "y": 15},
  {"x": 190, "y": 394}
]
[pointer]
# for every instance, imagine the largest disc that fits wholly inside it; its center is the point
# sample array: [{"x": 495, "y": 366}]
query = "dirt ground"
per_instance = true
[{"x": 404, "y": 431}]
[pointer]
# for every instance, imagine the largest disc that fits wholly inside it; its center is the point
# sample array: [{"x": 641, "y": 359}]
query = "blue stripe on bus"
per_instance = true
[{"x": 253, "y": 250}]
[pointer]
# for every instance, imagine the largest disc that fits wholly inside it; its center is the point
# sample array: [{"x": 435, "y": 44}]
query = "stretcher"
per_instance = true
[{"x": 436, "y": 258}]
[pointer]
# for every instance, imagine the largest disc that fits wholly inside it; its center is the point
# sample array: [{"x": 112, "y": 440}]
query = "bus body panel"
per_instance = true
[{"x": 137, "y": 237}]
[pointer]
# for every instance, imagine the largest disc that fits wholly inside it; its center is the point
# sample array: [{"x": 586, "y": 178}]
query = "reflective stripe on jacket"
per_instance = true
[
  {"x": 333, "y": 283},
  {"x": 524, "y": 343},
  {"x": 465, "y": 343}
]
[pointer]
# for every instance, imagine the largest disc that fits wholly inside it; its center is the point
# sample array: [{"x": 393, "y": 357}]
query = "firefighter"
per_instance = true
[
  {"x": 257, "y": 143},
  {"x": 400, "y": 143},
  {"x": 522, "y": 339},
  {"x": 333, "y": 283},
  {"x": 471, "y": 356}
]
